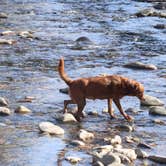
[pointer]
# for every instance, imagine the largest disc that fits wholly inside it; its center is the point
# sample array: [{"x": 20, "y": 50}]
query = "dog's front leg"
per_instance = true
[
  {"x": 127, "y": 117},
  {"x": 79, "y": 113},
  {"x": 110, "y": 109}
]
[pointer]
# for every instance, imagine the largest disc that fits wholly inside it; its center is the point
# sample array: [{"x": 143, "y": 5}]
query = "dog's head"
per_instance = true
[{"x": 138, "y": 90}]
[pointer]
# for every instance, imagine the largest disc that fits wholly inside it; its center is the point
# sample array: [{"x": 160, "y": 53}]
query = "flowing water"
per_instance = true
[{"x": 29, "y": 68}]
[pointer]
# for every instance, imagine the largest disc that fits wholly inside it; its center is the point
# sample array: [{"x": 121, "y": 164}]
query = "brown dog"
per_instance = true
[{"x": 111, "y": 87}]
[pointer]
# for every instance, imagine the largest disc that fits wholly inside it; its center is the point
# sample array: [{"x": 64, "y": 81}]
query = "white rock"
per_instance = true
[
  {"x": 22, "y": 110},
  {"x": 67, "y": 117},
  {"x": 3, "y": 102},
  {"x": 139, "y": 65},
  {"x": 4, "y": 111},
  {"x": 130, "y": 153},
  {"x": 73, "y": 160},
  {"x": 157, "y": 110},
  {"x": 7, "y": 41},
  {"x": 8, "y": 33},
  {"x": 140, "y": 153},
  {"x": 51, "y": 128},
  {"x": 3, "y": 15},
  {"x": 85, "y": 135},
  {"x": 116, "y": 140},
  {"x": 151, "y": 101}
]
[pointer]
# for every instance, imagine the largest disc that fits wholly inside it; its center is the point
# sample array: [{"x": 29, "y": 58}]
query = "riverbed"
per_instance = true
[{"x": 29, "y": 68}]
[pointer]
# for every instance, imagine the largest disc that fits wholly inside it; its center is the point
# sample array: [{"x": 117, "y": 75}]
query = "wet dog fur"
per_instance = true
[{"x": 110, "y": 87}]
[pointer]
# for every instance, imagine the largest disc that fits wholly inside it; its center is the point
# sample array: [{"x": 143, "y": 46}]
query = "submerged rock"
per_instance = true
[
  {"x": 51, "y": 128},
  {"x": 160, "y": 26},
  {"x": 151, "y": 12},
  {"x": 4, "y": 111},
  {"x": 125, "y": 128},
  {"x": 144, "y": 145},
  {"x": 77, "y": 143},
  {"x": 107, "y": 159},
  {"x": 151, "y": 101},
  {"x": 73, "y": 160},
  {"x": 22, "y": 110},
  {"x": 140, "y": 153},
  {"x": 160, "y": 6},
  {"x": 139, "y": 65},
  {"x": 158, "y": 159},
  {"x": 3, "y": 102},
  {"x": 157, "y": 110},
  {"x": 85, "y": 135}
]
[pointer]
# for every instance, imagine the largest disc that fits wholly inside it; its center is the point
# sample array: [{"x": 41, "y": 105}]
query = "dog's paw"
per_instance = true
[
  {"x": 129, "y": 118},
  {"x": 113, "y": 116}
]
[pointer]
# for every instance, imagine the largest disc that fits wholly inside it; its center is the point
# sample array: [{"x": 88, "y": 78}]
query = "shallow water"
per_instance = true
[{"x": 28, "y": 68}]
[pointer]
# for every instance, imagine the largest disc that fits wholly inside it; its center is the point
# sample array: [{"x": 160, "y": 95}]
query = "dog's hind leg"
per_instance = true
[
  {"x": 66, "y": 102},
  {"x": 110, "y": 109},
  {"x": 127, "y": 117}
]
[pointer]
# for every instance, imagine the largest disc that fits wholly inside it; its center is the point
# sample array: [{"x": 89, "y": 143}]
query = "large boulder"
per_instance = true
[
  {"x": 157, "y": 110},
  {"x": 151, "y": 101},
  {"x": 50, "y": 128}
]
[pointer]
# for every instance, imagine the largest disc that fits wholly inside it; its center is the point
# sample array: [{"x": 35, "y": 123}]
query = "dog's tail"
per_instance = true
[{"x": 62, "y": 72}]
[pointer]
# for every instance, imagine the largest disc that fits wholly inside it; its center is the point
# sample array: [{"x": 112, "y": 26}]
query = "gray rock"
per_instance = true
[
  {"x": 51, "y": 128},
  {"x": 111, "y": 158},
  {"x": 93, "y": 113},
  {"x": 3, "y": 102},
  {"x": 160, "y": 6},
  {"x": 144, "y": 145},
  {"x": 106, "y": 159},
  {"x": 126, "y": 128},
  {"x": 4, "y": 111},
  {"x": 3, "y": 15},
  {"x": 151, "y": 101},
  {"x": 140, "y": 153},
  {"x": 151, "y": 12},
  {"x": 85, "y": 135},
  {"x": 22, "y": 110},
  {"x": 158, "y": 121},
  {"x": 97, "y": 163},
  {"x": 158, "y": 159},
  {"x": 157, "y": 110},
  {"x": 139, "y": 65},
  {"x": 160, "y": 26},
  {"x": 77, "y": 143},
  {"x": 64, "y": 90}
]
